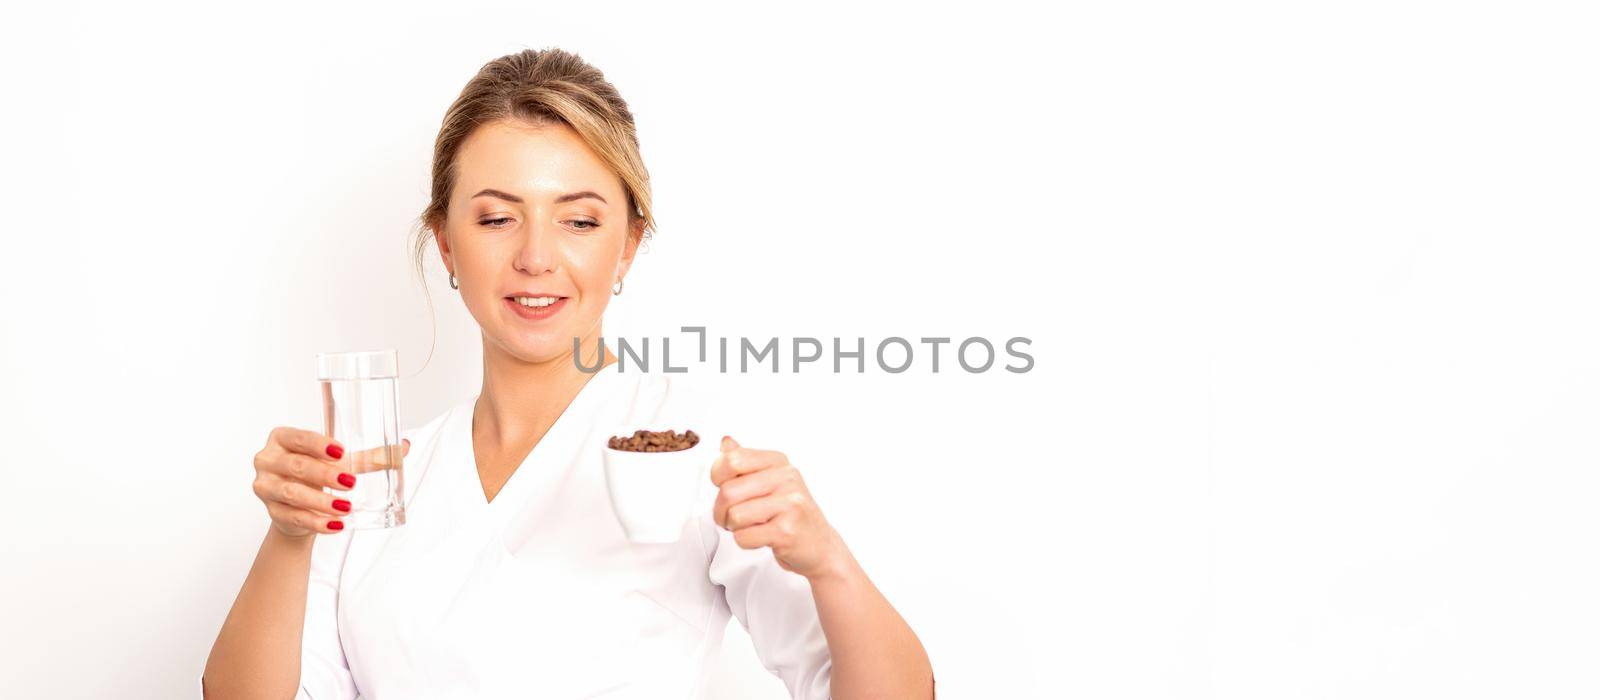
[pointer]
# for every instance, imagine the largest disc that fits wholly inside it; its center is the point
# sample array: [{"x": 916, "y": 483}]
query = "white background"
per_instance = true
[{"x": 1311, "y": 289}]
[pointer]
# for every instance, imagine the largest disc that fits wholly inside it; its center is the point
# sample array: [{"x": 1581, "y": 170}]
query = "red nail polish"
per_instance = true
[
  {"x": 335, "y": 451},
  {"x": 335, "y": 525},
  {"x": 341, "y": 504},
  {"x": 347, "y": 480}
]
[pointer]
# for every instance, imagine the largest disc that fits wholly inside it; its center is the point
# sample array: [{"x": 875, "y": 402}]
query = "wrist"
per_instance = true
[
  {"x": 305, "y": 540},
  {"x": 839, "y": 567}
]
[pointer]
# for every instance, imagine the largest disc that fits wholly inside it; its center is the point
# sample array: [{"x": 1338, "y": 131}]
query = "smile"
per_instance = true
[{"x": 536, "y": 308}]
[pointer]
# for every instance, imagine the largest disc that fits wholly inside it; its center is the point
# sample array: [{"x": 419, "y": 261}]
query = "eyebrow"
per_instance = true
[{"x": 570, "y": 196}]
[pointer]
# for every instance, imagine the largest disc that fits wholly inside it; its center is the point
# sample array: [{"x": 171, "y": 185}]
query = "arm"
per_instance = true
[
  {"x": 257, "y": 653},
  {"x": 763, "y": 502},
  {"x": 286, "y": 611},
  {"x": 875, "y": 653}
]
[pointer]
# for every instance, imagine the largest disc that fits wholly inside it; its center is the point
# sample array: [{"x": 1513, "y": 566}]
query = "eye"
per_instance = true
[
  {"x": 494, "y": 223},
  {"x": 587, "y": 225}
]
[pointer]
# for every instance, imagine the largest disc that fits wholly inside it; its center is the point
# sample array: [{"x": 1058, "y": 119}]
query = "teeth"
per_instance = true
[{"x": 536, "y": 301}]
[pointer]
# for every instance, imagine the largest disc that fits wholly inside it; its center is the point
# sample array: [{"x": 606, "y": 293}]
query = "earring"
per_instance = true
[
  {"x": 453, "y": 282},
  {"x": 616, "y": 288}
]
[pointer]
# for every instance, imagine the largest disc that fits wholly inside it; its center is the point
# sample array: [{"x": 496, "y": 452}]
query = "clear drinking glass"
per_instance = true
[{"x": 360, "y": 409}]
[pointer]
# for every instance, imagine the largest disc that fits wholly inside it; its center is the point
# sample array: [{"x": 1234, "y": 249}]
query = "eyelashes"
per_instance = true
[{"x": 498, "y": 222}]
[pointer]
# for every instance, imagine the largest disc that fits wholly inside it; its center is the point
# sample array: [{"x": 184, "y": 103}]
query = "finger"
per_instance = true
[
  {"x": 759, "y": 510},
  {"x": 776, "y": 532},
  {"x": 303, "y": 518},
  {"x": 743, "y": 460},
  {"x": 307, "y": 470},
  {"x": 744, "y": 488},
  {"x": 720, "y": 473},
  {"x": 307, "y": 442},
  {"x": 298, "y": 495},
  {"x": 380, "y": 457}
]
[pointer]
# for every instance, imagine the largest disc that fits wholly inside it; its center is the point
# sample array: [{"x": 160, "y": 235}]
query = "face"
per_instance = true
[{"x": 535, "y": 213}]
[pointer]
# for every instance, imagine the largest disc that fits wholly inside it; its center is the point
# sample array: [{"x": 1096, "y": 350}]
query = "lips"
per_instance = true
[{"x": 536, "y": 313}]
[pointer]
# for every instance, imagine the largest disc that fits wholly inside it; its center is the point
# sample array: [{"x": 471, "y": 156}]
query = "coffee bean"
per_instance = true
[{"x": 654, "y": 441}]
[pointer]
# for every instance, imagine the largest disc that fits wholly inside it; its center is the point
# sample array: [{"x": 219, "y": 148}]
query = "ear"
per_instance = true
[
  {"x": 443, "y": 243},
  {"x": 630, "y": 248}
]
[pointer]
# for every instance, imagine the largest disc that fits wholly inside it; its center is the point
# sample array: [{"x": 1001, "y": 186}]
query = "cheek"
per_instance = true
[
  {"x": 594, "y": 268},
  {"x": 472, "y": 253}
]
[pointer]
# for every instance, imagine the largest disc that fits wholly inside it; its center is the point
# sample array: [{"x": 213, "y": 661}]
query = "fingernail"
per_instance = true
[
  {"x": 407, "y": 442},
  {"x": 335, "y": 525},
  {"x": 335, "y": 451},
  {"x": 348, "y": 480},
  {"x": 341, "y": 504}
]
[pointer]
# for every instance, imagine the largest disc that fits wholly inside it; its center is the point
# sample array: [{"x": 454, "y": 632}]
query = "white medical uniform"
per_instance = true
[{"x": 539, "y": 594}]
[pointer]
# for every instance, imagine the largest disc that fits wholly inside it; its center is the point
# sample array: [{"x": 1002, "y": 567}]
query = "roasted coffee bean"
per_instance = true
[{"x": 654, "y": 441}]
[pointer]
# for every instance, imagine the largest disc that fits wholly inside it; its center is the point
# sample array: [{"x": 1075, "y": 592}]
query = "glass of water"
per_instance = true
[{"x": 360, "y": 409}]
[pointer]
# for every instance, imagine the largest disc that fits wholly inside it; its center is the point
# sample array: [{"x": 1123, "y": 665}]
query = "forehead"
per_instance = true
[{"x": 525, "y": 159}]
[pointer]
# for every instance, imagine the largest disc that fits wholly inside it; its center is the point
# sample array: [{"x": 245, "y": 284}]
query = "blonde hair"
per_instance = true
[{"x": 540, "y": 87}]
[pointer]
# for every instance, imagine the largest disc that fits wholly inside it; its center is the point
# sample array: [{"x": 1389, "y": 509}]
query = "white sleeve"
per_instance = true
[
  {"x": 324, "y": 672},
  {"x": 776, "y": 608}
]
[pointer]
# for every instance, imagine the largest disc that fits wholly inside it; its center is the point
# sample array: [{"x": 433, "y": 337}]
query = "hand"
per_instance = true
[
  {"x": 763, "y": 501},
  {"x": 291, "y": 471}
]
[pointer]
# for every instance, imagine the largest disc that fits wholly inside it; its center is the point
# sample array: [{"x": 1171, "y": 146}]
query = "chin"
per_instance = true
[{"x": 539, "y": 349}]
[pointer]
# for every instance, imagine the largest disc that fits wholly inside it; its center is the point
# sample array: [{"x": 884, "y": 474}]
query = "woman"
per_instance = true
[{"x": 512, "y": 576}]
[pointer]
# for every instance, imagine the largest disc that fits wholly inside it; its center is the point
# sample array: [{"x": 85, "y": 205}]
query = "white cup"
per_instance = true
[{"x": 654, "y": 493}]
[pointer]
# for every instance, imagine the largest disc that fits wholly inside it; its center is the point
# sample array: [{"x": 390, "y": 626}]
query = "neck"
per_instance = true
[{"x": 521, "y": 400}]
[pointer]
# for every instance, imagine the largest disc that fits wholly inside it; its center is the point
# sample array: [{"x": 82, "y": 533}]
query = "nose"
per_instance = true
[{"x": 537, "y": 255}]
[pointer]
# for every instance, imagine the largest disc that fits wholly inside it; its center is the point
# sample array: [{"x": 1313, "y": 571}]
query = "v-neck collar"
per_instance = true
[{"x": 570, "y": 425}]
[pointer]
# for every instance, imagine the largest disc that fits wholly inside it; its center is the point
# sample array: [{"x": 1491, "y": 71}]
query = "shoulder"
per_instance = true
[
  {"x": 651, "y": 392},
  {"x": 656, "y": 398},
  {"x": 427, "y": 432}
]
